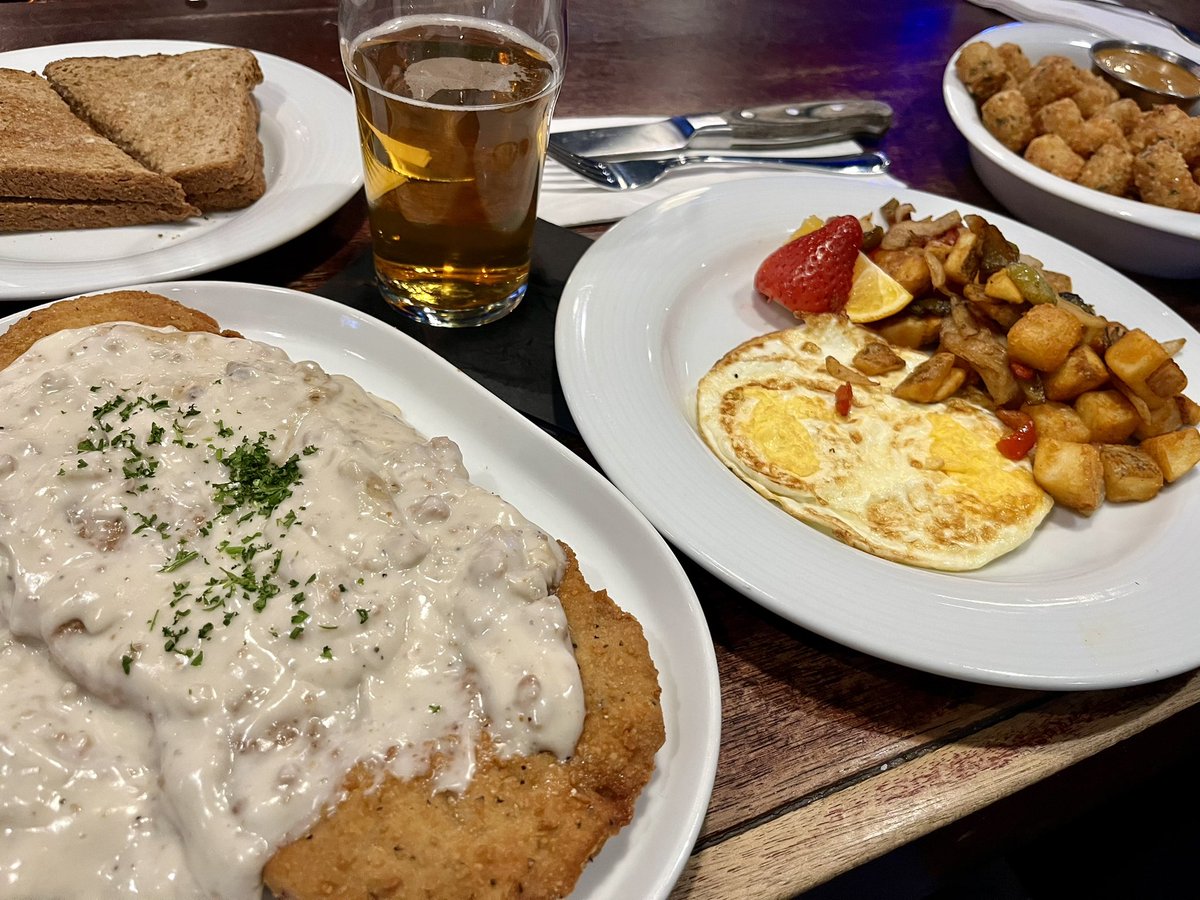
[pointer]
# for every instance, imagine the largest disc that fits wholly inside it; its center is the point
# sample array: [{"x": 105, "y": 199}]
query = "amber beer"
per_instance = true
[{"x": 453, "y": 116}]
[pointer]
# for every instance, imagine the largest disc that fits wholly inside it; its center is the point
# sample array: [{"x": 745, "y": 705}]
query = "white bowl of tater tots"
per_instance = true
[{"x": 1061, "y": 149}]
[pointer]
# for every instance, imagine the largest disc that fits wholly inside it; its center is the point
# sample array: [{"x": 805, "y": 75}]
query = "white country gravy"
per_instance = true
[{"x": 229, "y": 577}]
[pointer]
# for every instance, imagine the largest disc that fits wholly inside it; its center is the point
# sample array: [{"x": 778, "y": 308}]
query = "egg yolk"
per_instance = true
[
  {"x": 976, "y": 465},
  {"x": 776, "y": 427}
]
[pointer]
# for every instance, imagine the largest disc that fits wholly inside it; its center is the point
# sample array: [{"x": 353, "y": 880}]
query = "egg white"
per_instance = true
[{"x": 916, "y": 483}]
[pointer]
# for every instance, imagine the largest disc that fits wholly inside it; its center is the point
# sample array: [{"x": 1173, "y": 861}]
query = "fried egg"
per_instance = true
[{"x": 916, "y": 483}]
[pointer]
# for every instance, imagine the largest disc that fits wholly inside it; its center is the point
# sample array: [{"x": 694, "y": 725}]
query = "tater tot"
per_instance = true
[
  {"x": 1015, "y": 60},
  {"x": 1172, "y": 124},
  {"x": 1058, "y": 117},
  {"x": 1163, "y": 178},
  {"x": 1165, "y": 122},
  {"x": 1052, "y": 153},
  {"x": 1006, "y": 117},
  {"x": 1094, "y": 96},
  {"x": 980, "y": 67},
  {"x": 1109, "y": 169},
  {"x": 1095, "y": 133},
  {"x": 1051, "y": 79},
  {"x": 1125, "y": 112}
]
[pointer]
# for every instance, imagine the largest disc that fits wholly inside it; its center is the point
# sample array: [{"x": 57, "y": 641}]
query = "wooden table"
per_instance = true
[{"x": 829, "y": 759}]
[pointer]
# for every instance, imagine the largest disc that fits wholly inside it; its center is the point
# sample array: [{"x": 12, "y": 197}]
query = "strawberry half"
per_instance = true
[{"x": 814, "y": 272}]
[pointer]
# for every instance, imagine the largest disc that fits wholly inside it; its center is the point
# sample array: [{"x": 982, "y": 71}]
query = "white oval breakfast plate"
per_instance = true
[
  {"x": 311, "y": 161},
  {"x": 1085, "y": 603},
  {"x": 618, "y": 550}
]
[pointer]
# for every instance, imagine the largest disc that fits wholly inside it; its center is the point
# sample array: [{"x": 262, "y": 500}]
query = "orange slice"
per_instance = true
[{"x": 874, "y": 294}]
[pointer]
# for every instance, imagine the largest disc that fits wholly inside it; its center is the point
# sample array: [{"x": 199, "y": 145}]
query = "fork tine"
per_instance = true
[{"x": 591, "y": 169}]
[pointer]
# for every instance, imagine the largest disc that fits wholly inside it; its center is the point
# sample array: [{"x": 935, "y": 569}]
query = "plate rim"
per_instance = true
[
  {"x": 585, "y": 322},
  {"x": 27, "y": 280},
  {"x": 702, "y": 681}
]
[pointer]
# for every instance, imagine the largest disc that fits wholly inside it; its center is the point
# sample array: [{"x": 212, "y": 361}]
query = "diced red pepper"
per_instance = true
[
  {"x": 842, "y": 397},
  {"x": 1017, "y": 443},
  {"x": 1020, "y": 370}
]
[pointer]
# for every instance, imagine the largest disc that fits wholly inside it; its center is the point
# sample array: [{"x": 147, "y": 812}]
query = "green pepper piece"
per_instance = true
[
  {"x": 1030, "y": 282},
  {"x": 996, "y": 252}
]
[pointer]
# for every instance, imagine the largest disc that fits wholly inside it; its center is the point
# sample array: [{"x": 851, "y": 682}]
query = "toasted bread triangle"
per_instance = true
[
  {"x": 46, "y": 153},
  {"x": 190, "y": 116}
]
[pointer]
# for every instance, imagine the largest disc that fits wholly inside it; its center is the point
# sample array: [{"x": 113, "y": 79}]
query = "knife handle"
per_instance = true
[{"x": 800, "y": 123}]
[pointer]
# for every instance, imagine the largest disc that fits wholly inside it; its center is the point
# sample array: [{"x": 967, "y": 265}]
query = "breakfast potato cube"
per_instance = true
[
  {"x": 1167, "y": 380},
  {"x": 1057, "y": 420},
  {"x": 1083, "y": 371},
  {"x": 911, "y": 331},
  {"x": 1000, "y": 286},
  {"x": 1043, "y": 337},
  {"x": 1130, "y": 474},
  {"x": 907, "y": 267},
  {"x": 1161, "y": 420},
  {"x": 963, "y": 261},
  {"x": 1189, "y": 410},
  {"x": 1110, "y": 418},
  {"x": 1071, "y": 473},
  {"x": 1133, "y": 358},
  {"x": 1175, "y": 452}
]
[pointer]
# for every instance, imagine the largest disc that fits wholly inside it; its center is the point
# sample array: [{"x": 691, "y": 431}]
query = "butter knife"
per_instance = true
[{"x": 761, "y": 127}]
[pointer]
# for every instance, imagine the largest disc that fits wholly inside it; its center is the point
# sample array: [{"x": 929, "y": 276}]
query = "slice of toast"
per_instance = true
[
  {"x": 18, "y": 214},
  {"x": 190, "y": 116},
  {"x": 46, "y": 153}
]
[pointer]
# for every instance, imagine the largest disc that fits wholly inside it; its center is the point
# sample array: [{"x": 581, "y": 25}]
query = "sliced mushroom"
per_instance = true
[
  {"x": 905, "y": 234},
  {"x": 876, "y": 358},
  {"x": 932, "y": 381},
  {"x": 844, "y": 373},
  {"x": 969, "y": 339}
]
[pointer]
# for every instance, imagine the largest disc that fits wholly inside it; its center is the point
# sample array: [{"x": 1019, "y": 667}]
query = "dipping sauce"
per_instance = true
[
  {"x": 225, "y": 579},
  {"x": 1148, "y": 70}
]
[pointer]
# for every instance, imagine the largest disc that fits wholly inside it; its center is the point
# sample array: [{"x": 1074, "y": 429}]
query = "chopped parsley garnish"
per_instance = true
[
  {"x": 255, "y": 486},
  {"x": 255, "y": 482},
  {"x": 182, "y": 558}
]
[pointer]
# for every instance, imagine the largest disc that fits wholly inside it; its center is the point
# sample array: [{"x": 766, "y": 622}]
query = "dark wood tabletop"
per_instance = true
[{"x": 829, "y": 758}]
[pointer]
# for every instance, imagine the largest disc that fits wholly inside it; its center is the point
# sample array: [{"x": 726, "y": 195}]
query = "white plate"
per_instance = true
[
  {"x": 617, "y": 548},
  {"x": 1086, "y": 603},
  {"x": 1136, "y": 236},
  {"x": 311, "y": 161}
]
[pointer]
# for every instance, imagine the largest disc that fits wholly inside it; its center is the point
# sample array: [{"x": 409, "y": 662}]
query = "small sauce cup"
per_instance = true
[{"x": 1150, "y": 75}]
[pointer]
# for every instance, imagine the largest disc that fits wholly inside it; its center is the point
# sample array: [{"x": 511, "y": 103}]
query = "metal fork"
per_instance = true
[{"x": 635, "y": 173}]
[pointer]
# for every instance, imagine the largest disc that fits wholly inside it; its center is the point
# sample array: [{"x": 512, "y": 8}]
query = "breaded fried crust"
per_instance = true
[
  {"x": 116, "y": 306},
  {"x": 526, "y": 826}
]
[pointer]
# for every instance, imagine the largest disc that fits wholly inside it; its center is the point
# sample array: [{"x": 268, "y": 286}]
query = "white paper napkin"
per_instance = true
[
  {"x": 568, "y": 200},
  {"x": 1102, "y": 17}
]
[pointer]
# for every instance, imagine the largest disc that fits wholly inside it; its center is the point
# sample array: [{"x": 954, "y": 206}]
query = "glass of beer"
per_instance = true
[{"x": 454, "y": 99}]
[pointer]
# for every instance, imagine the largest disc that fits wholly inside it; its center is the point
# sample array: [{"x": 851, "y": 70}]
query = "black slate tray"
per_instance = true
[{"x": 512, "y": 357}]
